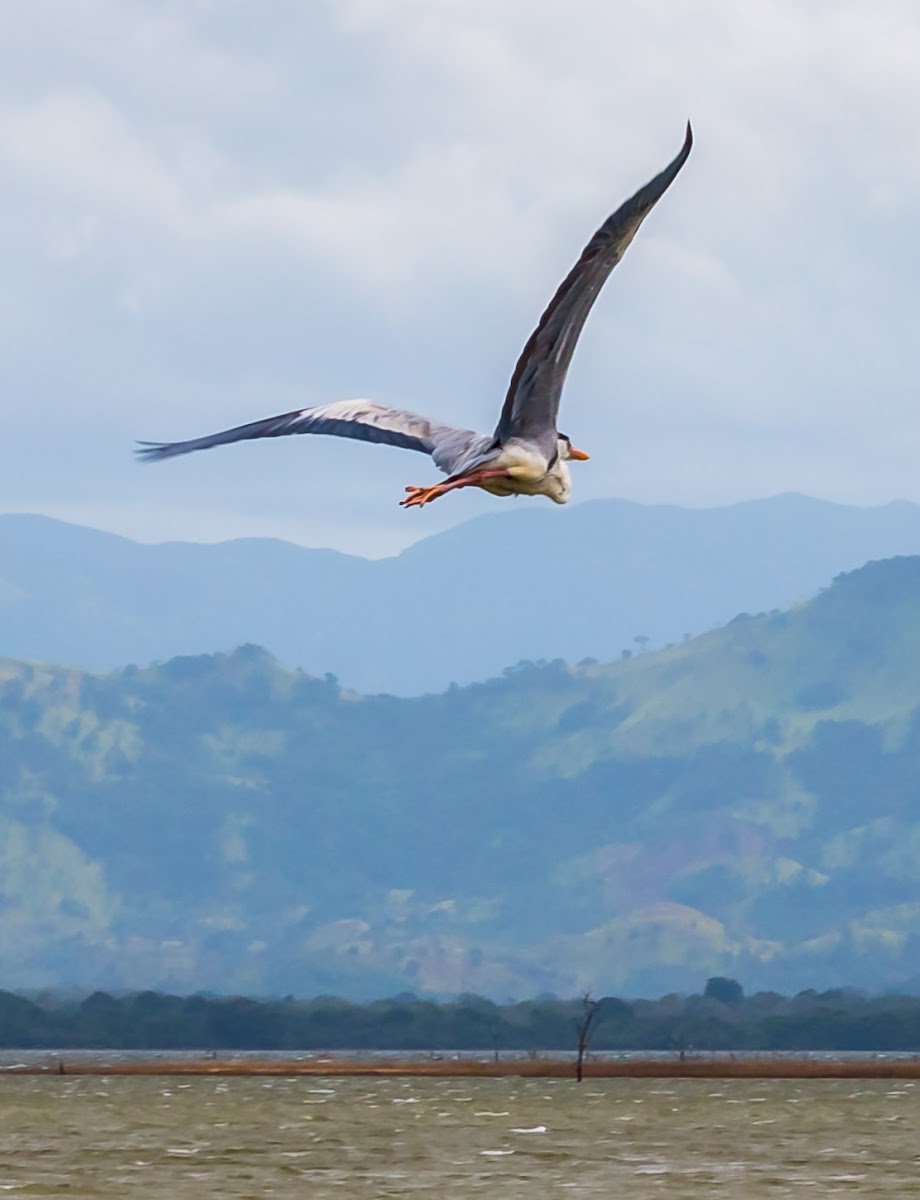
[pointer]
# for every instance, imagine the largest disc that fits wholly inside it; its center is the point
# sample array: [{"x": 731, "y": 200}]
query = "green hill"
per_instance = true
[{"x": 744, "y": 804}]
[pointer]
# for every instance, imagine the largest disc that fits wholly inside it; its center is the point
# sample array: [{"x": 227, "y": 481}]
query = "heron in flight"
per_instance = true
[{"x": 526, "y": 455}]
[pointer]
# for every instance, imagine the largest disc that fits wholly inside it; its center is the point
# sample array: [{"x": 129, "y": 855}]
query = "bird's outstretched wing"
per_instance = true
[
  {"x": 532, "y": 402},
  {"x": 359, "y": 419}
]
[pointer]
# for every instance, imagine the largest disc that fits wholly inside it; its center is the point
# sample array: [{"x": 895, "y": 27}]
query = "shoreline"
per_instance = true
[{"x": 636, "y": 1068}]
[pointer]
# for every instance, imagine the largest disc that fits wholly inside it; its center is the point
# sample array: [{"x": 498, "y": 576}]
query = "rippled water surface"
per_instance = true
[{"x": 370, "y": 1138}]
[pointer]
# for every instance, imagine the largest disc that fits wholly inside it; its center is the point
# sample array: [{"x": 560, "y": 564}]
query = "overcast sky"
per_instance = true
[{"x": 216, "y": 210}]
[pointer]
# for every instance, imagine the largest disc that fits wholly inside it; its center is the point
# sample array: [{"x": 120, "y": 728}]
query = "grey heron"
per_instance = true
[{"x": 526, "y": 455}]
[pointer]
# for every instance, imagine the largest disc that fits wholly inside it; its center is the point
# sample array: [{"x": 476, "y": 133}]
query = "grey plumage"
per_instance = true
[
  {"x": 526, "y": 453},
  {"x": 360, "y": 419},
  {"x": 532, "y": 403}
]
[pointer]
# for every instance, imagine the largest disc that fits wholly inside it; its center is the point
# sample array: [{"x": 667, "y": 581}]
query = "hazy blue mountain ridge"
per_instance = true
[{"x": 529, "y": 583}]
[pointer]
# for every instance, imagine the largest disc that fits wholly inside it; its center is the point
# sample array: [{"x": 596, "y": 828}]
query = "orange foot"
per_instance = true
[{"x": 419, "y": 496}]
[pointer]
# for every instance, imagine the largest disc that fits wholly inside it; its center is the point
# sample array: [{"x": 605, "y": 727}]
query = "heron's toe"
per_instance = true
[{"x": 419, "y": 496}]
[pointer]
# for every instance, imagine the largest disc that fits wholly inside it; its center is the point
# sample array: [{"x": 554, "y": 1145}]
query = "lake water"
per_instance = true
[{"x": 99, "y": 1136}]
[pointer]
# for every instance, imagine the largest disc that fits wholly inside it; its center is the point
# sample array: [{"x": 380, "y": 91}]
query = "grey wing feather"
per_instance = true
[
  {"x": 532, "y": 403},
  {"x": 359, "y": 419}
]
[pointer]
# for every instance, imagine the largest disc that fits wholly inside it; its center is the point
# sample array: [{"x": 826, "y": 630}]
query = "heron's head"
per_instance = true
[{"x": 567, "y": 450}]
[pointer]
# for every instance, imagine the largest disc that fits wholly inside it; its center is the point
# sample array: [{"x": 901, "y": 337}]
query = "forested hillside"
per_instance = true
[{"x": 744, "y": 804}]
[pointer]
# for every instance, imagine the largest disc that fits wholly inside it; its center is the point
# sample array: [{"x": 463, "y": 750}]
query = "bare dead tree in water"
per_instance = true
[{"x": 585, "y": 1026}]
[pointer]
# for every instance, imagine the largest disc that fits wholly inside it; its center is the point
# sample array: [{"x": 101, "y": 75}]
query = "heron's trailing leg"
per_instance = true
[{"x": 419, "y": 496}]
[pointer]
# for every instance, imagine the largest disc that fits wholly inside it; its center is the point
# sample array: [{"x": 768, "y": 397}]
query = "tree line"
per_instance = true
[{"x": 720, "y": 1018}]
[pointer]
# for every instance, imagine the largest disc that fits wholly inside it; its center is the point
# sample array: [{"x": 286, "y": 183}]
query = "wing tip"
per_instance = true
[
  {"x": 153, "y": 451},
  {"x": 667, "y": 176},
  {"x": 684, "y": 151}
]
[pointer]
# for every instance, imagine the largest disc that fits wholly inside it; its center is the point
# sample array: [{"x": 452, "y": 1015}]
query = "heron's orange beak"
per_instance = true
[{"x": 578, "y": 454}]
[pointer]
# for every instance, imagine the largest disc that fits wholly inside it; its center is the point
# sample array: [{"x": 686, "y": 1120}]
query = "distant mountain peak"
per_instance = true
[{"x": 496, "y": 589}]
